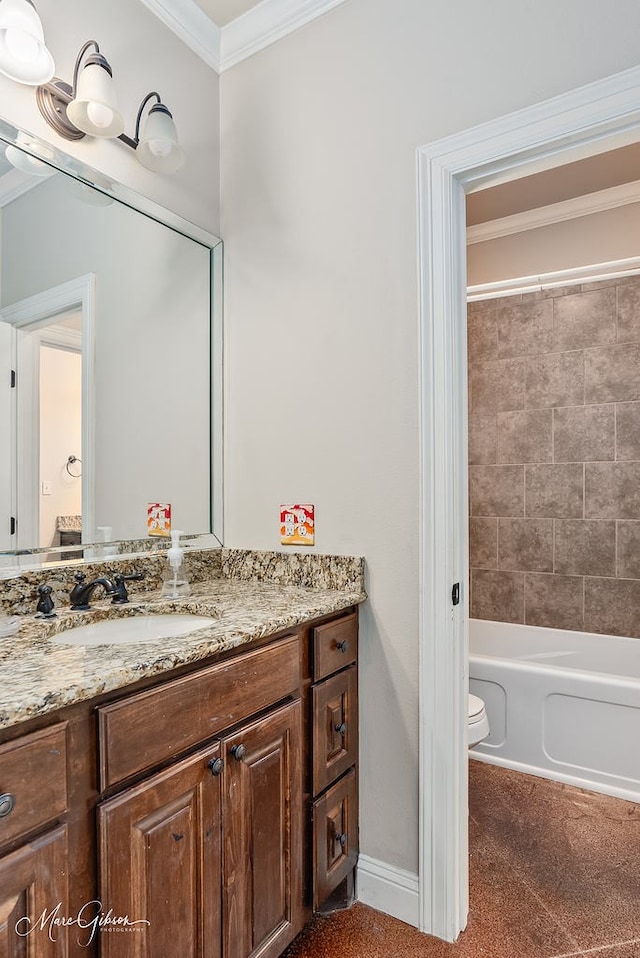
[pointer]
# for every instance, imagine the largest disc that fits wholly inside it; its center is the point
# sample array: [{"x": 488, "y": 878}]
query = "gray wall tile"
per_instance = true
[
  {"x": 629, "y": 313},
  {"x": 525, "y": 436},
  {"x": 483, "y": 543},
  {"x": 628, "y": 430},
  {"x": 585, "y": 319},
  {"x": 496, "y": 490},
  {"x": 585, "y": 547},
  {"x": 483, "y": 440},
  {"x": 524, "y": 329},
  {"x": 612, "y": 490},
  {"x": 612, "y": 373},
  {"x": 612, "y": 606},
  {"x": 555, "y": 380},
  {"x": 628, "y": 546},
  {"x": 497, "y": 386},
  {"x": 497, "y": 595},
  {"x": 553, "y": 601},
  {"x": 482, "y": 334},
  {"x": 525, "y": 545},
  {"x": 554, "y": 491},
  {"x": 584, "y": 433}
]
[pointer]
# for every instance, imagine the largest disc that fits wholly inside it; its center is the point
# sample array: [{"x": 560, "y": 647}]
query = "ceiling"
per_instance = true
[
  {"x": 223, "y": 12},
  {"x": 590, "y": 175}
]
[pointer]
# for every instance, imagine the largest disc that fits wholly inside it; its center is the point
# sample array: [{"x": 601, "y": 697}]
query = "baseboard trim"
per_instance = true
[{"x": 386, "y": 888}]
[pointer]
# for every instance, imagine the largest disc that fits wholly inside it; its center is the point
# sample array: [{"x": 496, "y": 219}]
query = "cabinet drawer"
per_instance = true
[
  {"x": 335, "y": 836},
  {"x": 335, "y": 645},
  {"x": 33, "y": 779},
  {"x": 147, "y": 729},
  {"x": 335, "y": 727}
]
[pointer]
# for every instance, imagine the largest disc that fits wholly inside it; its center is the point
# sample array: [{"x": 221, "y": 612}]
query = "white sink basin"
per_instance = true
[{"x": 132, "y": 629}]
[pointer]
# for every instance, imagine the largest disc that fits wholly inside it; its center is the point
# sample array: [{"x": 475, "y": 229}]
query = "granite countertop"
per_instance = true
[{"x": 39, "y": 675}]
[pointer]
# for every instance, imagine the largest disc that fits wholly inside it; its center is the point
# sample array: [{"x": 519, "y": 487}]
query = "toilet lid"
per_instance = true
[{"x": 476, "y": 706}]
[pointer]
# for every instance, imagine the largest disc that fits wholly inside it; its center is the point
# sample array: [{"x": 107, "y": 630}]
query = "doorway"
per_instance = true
[
  {"x": 46, "y": 330},
  {"x": 597, "y": 117}
]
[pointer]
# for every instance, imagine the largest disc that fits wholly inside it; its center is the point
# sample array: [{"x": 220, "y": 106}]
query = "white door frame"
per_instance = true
[
  {"x": 594, "y": 118},
  {"x": 31, "y": 312}
]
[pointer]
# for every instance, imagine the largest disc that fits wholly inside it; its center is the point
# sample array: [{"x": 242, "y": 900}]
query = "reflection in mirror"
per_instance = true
[{"x": 106, "y": 338}]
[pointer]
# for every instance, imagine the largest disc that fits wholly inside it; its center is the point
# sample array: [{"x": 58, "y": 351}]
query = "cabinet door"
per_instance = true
[
  {"x": 160, "y": 863},
  {"x": 33, "y": 894},
  {"x": 262, "y": 845}
]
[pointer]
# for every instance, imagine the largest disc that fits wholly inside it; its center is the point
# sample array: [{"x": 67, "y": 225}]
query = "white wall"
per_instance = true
[
  {"x": 318, "y": 185},
  {"x": 598, "y": 238},
  {"x": 144, "y": 55}
]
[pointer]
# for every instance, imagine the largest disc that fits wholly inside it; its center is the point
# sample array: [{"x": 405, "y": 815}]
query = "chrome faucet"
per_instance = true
[{"x": 82, "y": 590}]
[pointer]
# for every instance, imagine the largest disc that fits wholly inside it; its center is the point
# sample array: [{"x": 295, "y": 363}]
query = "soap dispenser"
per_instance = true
[{"x": 175, "y": 584}]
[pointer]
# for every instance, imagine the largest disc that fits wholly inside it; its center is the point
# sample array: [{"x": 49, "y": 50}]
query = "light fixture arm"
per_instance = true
[
  {"x": 76, "y": 69},
  {"x": 133, "y": 141}
]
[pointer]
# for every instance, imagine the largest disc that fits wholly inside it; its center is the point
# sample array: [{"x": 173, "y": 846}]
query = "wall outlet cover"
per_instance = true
[{"x": 297, "y": 525}]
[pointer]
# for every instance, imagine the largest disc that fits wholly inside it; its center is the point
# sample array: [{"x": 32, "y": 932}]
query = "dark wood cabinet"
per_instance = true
[
  {"x": 334, "y": 756},
  {"x": 262, "y": 835},
  {"x": 207, "y": 811},
  {"x": 34, "y": 892},
  {"x": 159, "y": 848}
]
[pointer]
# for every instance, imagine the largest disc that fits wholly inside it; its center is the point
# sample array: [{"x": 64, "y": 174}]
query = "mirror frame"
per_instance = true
[{"x": 90, "y": 551}]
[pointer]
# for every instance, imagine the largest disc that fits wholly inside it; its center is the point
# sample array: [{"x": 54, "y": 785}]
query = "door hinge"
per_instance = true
[
  {"x": 13, "y": 379},
  {"x": 12, "y": 526},
  {"x": 455, "y": 594}
]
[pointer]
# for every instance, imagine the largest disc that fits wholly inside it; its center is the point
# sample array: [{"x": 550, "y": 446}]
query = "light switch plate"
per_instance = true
[{"x": 46, "y": 487}]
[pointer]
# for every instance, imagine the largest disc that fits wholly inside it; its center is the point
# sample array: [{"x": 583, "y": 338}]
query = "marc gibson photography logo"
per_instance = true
[{"x": 90, "y": 919}]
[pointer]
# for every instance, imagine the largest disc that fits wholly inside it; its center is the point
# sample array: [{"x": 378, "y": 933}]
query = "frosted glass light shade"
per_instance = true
[
  {"x": 158, "y": 148},
  {"x": 24, "y": 56},
  {"x": 93, "y": 109},
  {"x": 28, "y": 163}
]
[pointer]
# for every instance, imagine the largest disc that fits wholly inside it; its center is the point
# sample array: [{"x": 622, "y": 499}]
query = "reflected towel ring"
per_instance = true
[{"x": 70, "y": 461}]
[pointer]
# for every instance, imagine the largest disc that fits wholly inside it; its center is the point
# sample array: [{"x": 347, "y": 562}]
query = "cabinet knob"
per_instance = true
[
  {"x": 341, "y": 839},
  {"x": 342, "y": 728},
  {"x": 7, "y": 804},
  {"x": 216, "y": 765},
  {"x": 342, "y": 646},
  {"x": 238, "y": 752}
]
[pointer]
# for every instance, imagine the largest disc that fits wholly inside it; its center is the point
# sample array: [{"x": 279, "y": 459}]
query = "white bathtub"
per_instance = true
[{"x": 564, "y": 705}]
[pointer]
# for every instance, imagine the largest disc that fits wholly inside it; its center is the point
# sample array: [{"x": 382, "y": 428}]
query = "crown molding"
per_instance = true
[
  {"x": 599, "y": 202},
  {"x": 269, "y": 21},
  {"x": 14, "y": 183},
  {"x": 574, "y": 276},
  {"x": 189, "y": 22},
  {"x": 222, "y": 48}
]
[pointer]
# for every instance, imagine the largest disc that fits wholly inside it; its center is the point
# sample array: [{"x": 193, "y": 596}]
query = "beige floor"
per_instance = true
[{"x": 554, "y": 871}]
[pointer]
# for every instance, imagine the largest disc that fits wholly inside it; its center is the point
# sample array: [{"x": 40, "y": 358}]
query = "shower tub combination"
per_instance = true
[{"x": 563, "y": 705}]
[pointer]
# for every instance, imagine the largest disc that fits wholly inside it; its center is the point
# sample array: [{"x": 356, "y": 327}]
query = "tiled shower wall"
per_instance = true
[{"x": 554, "y": 452}]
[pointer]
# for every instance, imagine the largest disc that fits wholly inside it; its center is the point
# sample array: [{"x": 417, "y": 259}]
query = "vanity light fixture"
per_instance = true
[
  {"x": 157, "y": 145},
  {"x": 23, "y": 53},
  {"x": 87, "y": 106}
]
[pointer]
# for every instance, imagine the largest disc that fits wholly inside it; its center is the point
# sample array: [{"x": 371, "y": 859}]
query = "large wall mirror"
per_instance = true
[{"x": 110, "y": 362}]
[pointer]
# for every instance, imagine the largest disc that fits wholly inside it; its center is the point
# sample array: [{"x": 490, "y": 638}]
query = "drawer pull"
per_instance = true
[
  {"x": 7, "y": 804},
  {"x": 238, "y": 752},
  {"x": 216, "y": 765},
  {"x": 341, "y": 839},
  {"x": 342, "y": 646},
  {"x": 342, "y": 729}
]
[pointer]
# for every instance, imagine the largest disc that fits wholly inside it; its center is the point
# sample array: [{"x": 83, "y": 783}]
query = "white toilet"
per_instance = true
[{"x": 478, "y": 721}]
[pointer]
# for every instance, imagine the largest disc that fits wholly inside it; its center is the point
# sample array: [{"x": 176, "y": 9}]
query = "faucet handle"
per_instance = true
[
  {"x": 121, "y": 595},
  {"x": 44, "y": 608}
]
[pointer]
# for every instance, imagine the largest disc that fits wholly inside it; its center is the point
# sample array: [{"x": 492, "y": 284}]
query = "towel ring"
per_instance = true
[{"x": 70, "y": 462}]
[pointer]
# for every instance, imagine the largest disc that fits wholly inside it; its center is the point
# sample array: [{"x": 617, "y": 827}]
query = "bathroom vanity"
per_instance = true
[{"x": 204, "y": 800}]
